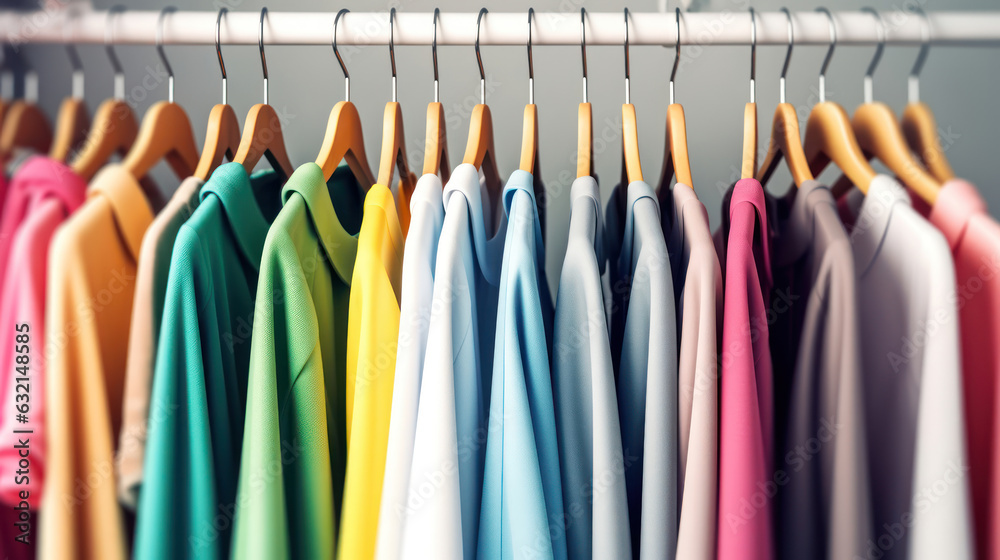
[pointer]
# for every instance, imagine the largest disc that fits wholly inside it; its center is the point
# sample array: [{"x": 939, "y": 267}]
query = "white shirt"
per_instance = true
[
  {"x": 911, "y": 361},
  {"x": 420, "y": 253}
]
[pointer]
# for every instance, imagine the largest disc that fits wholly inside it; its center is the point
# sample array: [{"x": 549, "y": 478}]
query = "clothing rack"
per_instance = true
[{"x": 954, "y": 28}]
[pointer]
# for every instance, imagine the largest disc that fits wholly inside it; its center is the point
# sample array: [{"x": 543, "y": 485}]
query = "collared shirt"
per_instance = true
[
  {"x": 583, "y": 386},
  {"x": 55, "y": 193},
  {"x": 647, "y": 372},
  {"x": 824, "y": 510},
  {"x": 372, "y": 336},
  {"x": 698, "y": 291},
  {"x": 911, "y": 359},
  {"x": 446, "y": 477},
  {"x": 292, "y": 465},
  {"x": 92, "y": 265},
  {"x": 427, "y": 211},
  {"x": 147, "y": 311},
  {"x": 746, "y": 426},
  {"x": 522, "y": 491},
  {"x": 198, "y": 398},
  {"x": 974, "y": 238}
]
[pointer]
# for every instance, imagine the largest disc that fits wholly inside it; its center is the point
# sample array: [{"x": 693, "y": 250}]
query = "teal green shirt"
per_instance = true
[
  {"x": 294, "y": 445},
  {"x": 200, "y": 379}
]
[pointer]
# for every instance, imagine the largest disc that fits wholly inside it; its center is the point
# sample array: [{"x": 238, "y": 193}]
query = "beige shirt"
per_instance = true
[
  {"x": 824, "y": 509},
  {"x": 698, "y": 279},
  {"x": 147, "y": 310}
]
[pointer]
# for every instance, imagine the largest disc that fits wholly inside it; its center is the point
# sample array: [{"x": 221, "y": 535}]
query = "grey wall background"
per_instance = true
[{"x": 960, "y": 84}]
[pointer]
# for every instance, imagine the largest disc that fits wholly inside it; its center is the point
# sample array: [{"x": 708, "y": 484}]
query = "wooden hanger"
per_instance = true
[
  {"x": 344, "y": 139},
  {"x": 675, "y": 157},
  {"x": 918, "y": 122},
  {"x": 393, "y": 137},
  {"x": 631, "y": 166},
  {"x": 749, "y": 166},
  {"x": 879, "y": 134},
  {"x": 435, "y": 141},
  {"x": 785, "y": 139},
  {"x": 829, "y": 135},
  {"x": 222, "y": 139},
  {"x": 584, "y": 116},
  {"x": 479, "y": 149},
  {"x": 25, "y": 126},
  {"x": 529, "y": 137},
  {"x": 262, "y": 136},
  {"x": 73, "y": 121}
]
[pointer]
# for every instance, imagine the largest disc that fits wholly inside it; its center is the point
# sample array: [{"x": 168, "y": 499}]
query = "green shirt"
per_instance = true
[
  {"x": 200, "y": 379},
  {"x": 292, "y": 470}
]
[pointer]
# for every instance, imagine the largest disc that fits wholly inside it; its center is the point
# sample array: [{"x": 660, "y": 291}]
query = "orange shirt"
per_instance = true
[{"x": 92, "y": 268}]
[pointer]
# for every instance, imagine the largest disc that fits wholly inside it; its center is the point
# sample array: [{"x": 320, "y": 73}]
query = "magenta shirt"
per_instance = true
[
  {"x": 46, "y": 192},
  {"x": 746, "y": 476}
]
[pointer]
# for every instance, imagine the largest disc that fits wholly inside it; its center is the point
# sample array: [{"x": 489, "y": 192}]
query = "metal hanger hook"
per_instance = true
[
  {"x": 434, "y": 55},
  {"x": 260, "y": 44},
  {"x": 336, "y": 53},
  {"x": 75, "y": 62},
  {"x": 677, "y": 52},
  {"x": 392, "y": 51},
  {"x": 531, "y": 64},
  {"x": 788, "y": 55},
  {"x": 913, "y": 81},
  {"x": 163, "y": 55},
  {"x": 109, "y": 47},
  {"x": 829, "y": 53},
  {"x": 583, "y": 49},
  {"x": 753, "y": 56},
  {"x": 627, "y": 87},
  {"x": 870, "y": 72},
  {"x": 479, "y": 58},
  {"x": 218, "y": 51}
]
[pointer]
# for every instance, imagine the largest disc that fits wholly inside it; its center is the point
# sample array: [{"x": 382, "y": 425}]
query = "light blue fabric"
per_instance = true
[
  {"x": 583, "y": 383},
  {"x": 646, "y": 334},
  {"x": 522, "y": 506}
]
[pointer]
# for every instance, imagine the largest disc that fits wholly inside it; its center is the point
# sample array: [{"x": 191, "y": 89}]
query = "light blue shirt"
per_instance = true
[
  {"x": 583, "y": 382},
  {"x": 522, "y": 495}
]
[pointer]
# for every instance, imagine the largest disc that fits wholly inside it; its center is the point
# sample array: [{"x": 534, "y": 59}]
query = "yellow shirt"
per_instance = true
[
  {"x": 372, "y": 332},
  {"x": 92, "y": 267}
]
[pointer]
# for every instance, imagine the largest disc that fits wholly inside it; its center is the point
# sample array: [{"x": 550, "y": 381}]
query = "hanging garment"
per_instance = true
[
  {"x": 522, "y": 504},
  {"x": 824, "y": 509},
  {"x": 595, "y": 506},
  {"x": 147, "y": 312},
  {"x": 446, "y": 478},
  {"x": 292, "y": 464},
  {"x": 746, "y": 427},
  {"x": 698, "y": 291},
  {"x": 199, "y": 384},
  {"x": 974, "y": 238},
  {"x": 92, "y": 265},
  {"x": 417, "y": 292},
  {"x": 49, "y": 192},
  {"x": 372, "y": 336},
  {"x": 911, "y": 364},
  {"x": 647, "y": 376}
]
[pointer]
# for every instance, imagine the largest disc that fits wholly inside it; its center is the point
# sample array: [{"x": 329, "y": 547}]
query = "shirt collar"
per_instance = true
[
  {"x": 798, "y": 228},
  {"x": 957, "y": 202},
  {"x": 232, "y": 186},
  {"x": 521, "y": 180},
  {"x": 339, "y": 246},
  {"x": 129, "y": 206},
  {"x": 873, "y": 218},
  {"x": 586, "y": 188},
  {"x": 750, "y": 191}
]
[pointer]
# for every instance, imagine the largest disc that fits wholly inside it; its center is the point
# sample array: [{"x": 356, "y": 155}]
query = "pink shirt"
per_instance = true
[
  {"x": 52, "y": 192},
  {"x": 746, "y": 483},
  {"x": 974, "y": 238}
]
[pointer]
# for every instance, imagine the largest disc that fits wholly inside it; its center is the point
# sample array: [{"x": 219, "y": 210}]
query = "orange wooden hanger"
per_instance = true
[
  {"x": 919, "y": 125},
  {"x": 344, "y": 140},
  {"x": 25, "y": 125},
  {"x": 222, "y": 139},
  {"x": 879, "y": 134},
  {"x": 785, "y": 138},
  {"x": 631, "y": 166},
  {"x": 529, "y": 137},
  {"x": 436, "y": 142},
  {"x": 166, "y": 129},
  {"x": 73, "y": 120},
  {"x": 393, "y": 137},
  {"x": 829, "y": 136},
  {"x": 584, "y": 117},
  {"x": 262, "y": 135},
  {"x": 675, "y": 158},
  {"x": 114, "y": 128},
  {"x": 479, "y": 150},
  {"x": 749, "y": 167}
]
